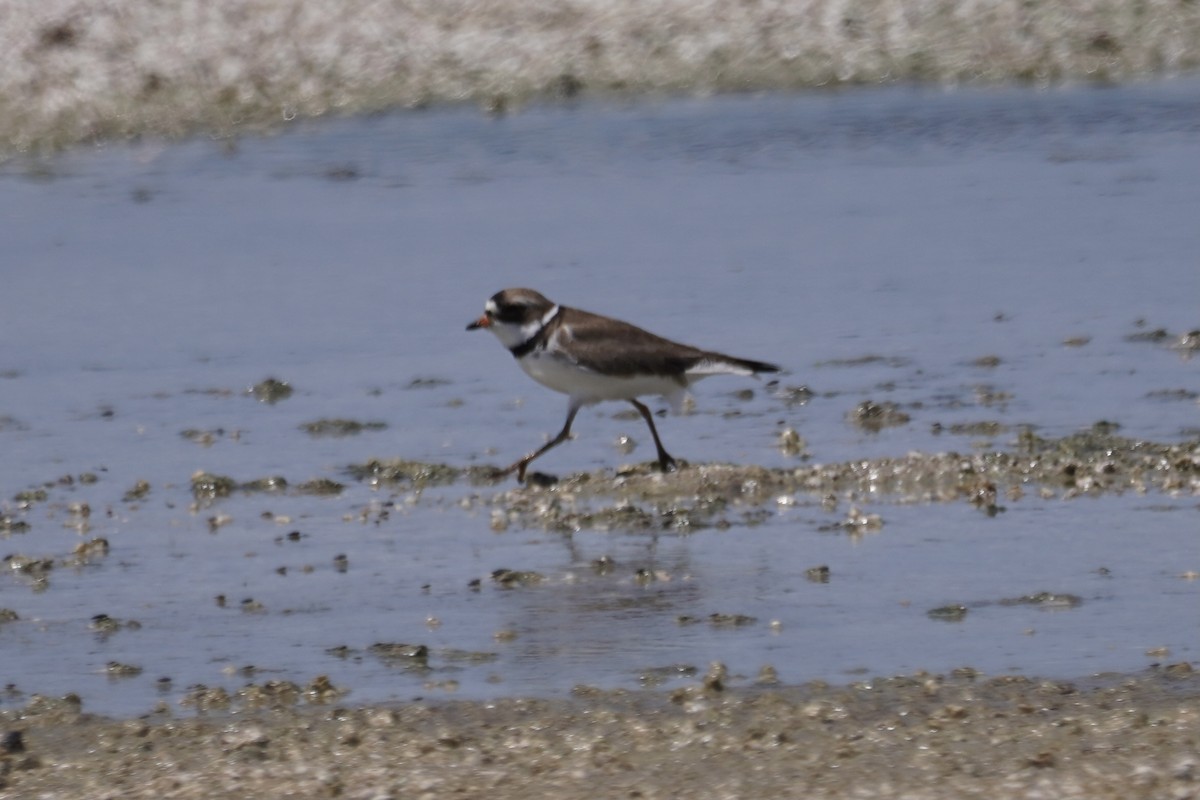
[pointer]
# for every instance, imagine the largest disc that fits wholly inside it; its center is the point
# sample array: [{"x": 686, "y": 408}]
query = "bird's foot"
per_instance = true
[
  {"x": 533, "y": 478},
  {"x": 541, "y": 479}
]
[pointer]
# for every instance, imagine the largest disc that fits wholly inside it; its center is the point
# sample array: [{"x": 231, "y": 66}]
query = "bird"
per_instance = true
[{"x": 593, "y": 358}]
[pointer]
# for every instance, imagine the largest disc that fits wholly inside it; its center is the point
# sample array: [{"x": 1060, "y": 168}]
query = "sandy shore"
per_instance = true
[
  {"x": 925, "y": 736},
  {"x": 72, "y": 72}
]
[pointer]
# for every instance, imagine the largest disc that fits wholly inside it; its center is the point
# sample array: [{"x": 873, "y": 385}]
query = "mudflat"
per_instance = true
[{"x": 924, "y": 736}]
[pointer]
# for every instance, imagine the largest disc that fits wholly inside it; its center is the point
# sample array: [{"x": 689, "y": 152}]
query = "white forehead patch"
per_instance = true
[{"x": 490, "y": 306}]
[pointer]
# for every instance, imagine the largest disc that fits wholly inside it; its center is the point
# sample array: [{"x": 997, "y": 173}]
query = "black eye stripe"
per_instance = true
[{"x": 512, "y": 313}]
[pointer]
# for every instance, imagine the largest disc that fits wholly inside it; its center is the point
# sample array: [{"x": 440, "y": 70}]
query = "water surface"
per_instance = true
[{"x": 934, "y": 250}]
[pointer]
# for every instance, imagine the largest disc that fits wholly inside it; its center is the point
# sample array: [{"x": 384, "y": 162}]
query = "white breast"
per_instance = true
[{"x": 563, "y": 375}]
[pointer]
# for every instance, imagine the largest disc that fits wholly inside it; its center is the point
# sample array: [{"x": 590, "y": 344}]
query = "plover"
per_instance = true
[{"x": 591, "y": 358}]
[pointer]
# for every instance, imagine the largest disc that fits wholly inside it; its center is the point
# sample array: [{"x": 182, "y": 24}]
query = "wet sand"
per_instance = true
[{"x": 922, "y": 736}]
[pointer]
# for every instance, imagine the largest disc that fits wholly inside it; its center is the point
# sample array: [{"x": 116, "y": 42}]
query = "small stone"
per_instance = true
[
  {"x": 950, "y": 613},
  {"x": 791, "y": 442},
  {"x": 817, "y": 574},
  {"x": 271, "y": 391},
  {"x": 12, "y": 742}
]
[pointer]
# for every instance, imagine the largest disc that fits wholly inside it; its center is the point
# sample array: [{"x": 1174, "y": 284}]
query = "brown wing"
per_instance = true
[{"x": 593, "y": 338}]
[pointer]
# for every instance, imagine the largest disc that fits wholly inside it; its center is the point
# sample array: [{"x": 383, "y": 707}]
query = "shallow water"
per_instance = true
[{"x": 877, "y": 244}]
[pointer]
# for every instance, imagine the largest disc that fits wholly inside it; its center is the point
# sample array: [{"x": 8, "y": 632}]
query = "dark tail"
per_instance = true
[
  {"x": 746, "y": 364},
  {"x": 755, "y": 366}
]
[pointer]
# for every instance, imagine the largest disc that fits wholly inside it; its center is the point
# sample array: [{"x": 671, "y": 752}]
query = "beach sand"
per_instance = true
[
  {"x": 74, "y": 72},
  {"x": 923, "y": 736}
]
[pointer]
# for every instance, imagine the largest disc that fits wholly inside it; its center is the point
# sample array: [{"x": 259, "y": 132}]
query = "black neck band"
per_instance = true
[
  {"x": 535, "y": 342},
  {"x": 527, "y": 347}
]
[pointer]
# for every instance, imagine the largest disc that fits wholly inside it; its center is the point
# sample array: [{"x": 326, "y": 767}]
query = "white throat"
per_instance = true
[{"x": 512, "y": 335}]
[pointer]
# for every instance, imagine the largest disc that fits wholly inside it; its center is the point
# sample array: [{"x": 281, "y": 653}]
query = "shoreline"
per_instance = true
[
  {"x": 959, "y": 735},
  {"x": 74, "y": 74}
]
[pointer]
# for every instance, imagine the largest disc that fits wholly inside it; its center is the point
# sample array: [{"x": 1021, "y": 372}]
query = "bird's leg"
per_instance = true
[
  {"x": 519, "y": 467},
  {"x": 664, "y": 458}
]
